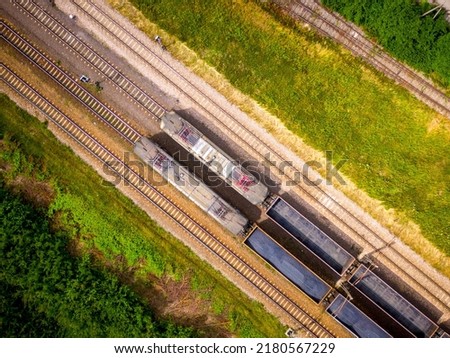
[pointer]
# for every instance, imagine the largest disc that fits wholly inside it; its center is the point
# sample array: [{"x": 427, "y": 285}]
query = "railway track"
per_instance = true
[
  {"x": 349, "y": 35},
  {"x": 425, "y": 283},
  {"x": 63, "y": 79},
  {"x": 102, "y": 65},
  {"x": 213, "y": 244}
]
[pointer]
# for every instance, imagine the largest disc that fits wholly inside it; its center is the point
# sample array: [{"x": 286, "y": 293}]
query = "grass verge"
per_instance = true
[{"x": 105, "y": 223}]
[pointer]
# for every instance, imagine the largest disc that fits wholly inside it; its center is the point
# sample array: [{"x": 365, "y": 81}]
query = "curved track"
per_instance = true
[
  {"x": 424, "y": 283},
  {"x": 332, "y": 25},
  {"x": 213, "y": 244}
]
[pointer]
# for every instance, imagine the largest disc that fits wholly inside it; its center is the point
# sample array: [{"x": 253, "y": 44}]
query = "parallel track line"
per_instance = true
[{"x": 336, "y": 27}]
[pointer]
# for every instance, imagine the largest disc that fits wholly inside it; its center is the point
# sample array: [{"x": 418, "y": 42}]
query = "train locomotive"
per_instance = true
[
  {"x": 190, "y": 186},
  {"x": 219, "y": 162}
]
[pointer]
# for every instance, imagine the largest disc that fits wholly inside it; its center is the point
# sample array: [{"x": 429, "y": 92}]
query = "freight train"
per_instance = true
[{"x": 308, "y": 235}]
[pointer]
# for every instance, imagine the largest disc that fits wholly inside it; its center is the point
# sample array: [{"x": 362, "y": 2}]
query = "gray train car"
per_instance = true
[
  {"x": 219, "y": 162},
  {"x": 390, "y": 301},
  {"x": 355, "y": 320},
  {"x": 288, "y": 265},
  {"x": 190, "y": 186},
  {"x": 310, "y": 236}
]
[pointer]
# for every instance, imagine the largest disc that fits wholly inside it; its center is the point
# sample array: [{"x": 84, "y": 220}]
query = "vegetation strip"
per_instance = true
[{"x": 49, "y": 293}]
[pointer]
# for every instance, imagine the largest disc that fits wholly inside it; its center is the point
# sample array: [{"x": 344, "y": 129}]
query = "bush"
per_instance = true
[
  {"x": 48, "y": 292},
  {"x": 398, "y": 25}
]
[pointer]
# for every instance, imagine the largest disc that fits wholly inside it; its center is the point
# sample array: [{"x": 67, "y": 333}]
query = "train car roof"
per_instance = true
[
  {"x": 310, "y": 235},
  {"x": 220, "y": 162},
  {"x": 191, "y": 186},
  {"x": 288, "y": 265},
  {"x": 392, "y": 302},
  {"x": 355, "y": 320}
]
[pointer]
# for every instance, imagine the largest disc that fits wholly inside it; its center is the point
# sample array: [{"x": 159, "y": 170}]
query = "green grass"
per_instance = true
[
  {"x": 327, "y": 97},
  {"x": 107, "y": 223}
]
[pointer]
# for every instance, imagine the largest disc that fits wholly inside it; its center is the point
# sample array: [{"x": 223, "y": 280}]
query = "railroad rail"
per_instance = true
[
  {"x": 427, "y": 285},
  {"x": 102, "y": 65},
  {"x": 102, "y": 111},
  {"x": 350, "y": 36},
  {"x": 213, "y": 244}
]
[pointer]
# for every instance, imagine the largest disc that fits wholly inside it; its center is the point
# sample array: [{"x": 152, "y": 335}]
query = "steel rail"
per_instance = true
[
  {"x": 50, "y": 68},
  {"x": 95, "y": 60}
]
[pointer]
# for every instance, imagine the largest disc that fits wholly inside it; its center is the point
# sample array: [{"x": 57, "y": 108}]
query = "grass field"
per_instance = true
[
  {"x": 108, "y": 225},
  {"x": 397, "y": 148}
]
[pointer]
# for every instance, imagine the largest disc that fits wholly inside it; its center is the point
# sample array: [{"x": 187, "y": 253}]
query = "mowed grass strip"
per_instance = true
[
  {"x": 107, "y": 224},
  {"x": 397, "y": 148}
]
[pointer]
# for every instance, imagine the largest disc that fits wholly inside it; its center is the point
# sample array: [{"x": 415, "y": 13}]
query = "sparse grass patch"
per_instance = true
[
  {"x": 323, "y": 94},
  {"x": 111, "y": 226}
]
